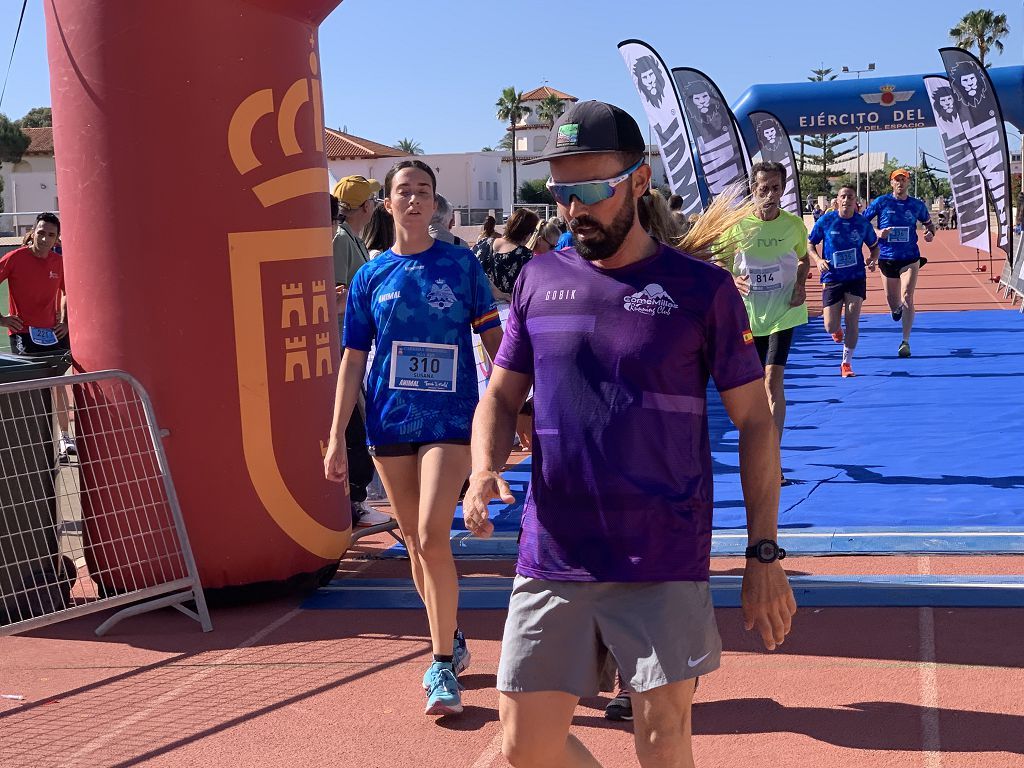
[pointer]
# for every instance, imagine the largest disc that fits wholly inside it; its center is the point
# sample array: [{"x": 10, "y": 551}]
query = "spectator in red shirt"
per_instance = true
[{"x": 37, "y": 319}]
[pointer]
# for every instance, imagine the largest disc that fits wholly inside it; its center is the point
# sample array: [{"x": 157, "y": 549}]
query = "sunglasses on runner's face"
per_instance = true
[{"x": 589, "y": 192}]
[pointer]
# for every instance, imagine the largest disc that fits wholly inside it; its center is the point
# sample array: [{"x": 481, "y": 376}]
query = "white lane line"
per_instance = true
[
  {"x": 226, "y": 658},
  {"x": 930, "y": 742},
  {"x": 491, "y": 751}
]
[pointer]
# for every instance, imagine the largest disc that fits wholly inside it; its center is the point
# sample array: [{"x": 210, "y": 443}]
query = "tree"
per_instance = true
[
  {"x": 37, "y": 117},
  {"x": 486, "y": 149},
  {"x": 536, "y": 191},
  {"x": 511, "y": 110},
  {"x": 506, "y": 142},
  {"x": 410, "y": 146},
  {"x": 832, "y": 149},
  {"x": 550, "y": 109},
  {"x": 831, "y": 146},
  {"x": 817, "y": 76},
  {"x": 980, "y": 30},
  {"x": 13, "y": 142}
]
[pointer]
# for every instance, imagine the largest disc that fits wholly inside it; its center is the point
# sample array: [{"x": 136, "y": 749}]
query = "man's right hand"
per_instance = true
[
  {"x": 483, "y": 487},
  {"x": 823, "y": 266},
  {"x": 883, "y": 234},
  {"x": 742, "y": 284},
  {"x": 13, "y": 322}
]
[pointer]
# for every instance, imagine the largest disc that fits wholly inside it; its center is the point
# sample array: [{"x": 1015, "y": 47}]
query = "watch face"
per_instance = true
[{"x": 767, "y": 551}]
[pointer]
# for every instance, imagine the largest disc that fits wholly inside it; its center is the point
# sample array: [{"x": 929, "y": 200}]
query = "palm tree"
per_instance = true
[
  {"x": 981, "y": 30},
  {"x": 550, "y": 109},
  {"x": 410, "y": 146},
  {"x": 510, "y": 109}
]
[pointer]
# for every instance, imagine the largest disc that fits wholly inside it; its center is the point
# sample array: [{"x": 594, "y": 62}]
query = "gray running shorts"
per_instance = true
[{"x": 571, "y": 636}]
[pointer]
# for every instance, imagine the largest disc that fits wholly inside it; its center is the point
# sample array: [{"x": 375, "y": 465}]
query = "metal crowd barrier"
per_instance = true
[{"x": 94, "y": 528}]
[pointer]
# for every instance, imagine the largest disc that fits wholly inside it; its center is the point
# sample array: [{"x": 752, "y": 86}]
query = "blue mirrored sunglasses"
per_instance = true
[{"x": 589, "y": 192}]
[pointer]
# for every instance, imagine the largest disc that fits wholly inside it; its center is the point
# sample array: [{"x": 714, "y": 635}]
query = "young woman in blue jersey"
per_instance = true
[
  {"x": 844, "y": 233},
  {"x": 899, "y": 255},
  {"x": 417, "y": 304}
]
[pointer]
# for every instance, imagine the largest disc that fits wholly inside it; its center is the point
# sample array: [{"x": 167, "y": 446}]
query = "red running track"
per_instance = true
[{"x": 275, "y": 685}]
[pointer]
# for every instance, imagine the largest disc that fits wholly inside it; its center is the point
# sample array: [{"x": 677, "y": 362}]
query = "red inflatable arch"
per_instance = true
[{"x": 189, "y": 142}]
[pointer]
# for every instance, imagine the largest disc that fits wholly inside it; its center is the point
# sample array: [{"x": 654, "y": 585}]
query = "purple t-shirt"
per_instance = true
[{"x": 621, "y": 488}]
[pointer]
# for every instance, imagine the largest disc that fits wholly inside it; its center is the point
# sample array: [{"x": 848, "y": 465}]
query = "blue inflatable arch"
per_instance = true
[{"x": 875, "y": 104}]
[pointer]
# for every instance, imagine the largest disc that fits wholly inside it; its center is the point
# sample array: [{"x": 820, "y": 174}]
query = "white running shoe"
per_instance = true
[{"x": 364, "y": 515}]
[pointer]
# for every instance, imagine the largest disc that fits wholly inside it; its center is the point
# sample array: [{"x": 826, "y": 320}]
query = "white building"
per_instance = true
[
  {"x": 874, "y": 161},
  {"x": 466, "y": 179},
  {"x": 30, "y": 185}
]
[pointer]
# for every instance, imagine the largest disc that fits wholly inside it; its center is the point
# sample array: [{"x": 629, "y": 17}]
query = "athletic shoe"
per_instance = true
[
  {"x": 846, "y": 370},
  {"x": 897, "y": 314},
  {"x": 460, "y": 658},
  {"x": 364, "y": 515},
  {"x": 443, "y": 697},
  {"x": 904, "y": 349},
  {"x": 460, "y": 654},
  {"x": 837, "y": 337},
  {"x": 620, "y": 708},
  {"x": 922, "y": 261}
]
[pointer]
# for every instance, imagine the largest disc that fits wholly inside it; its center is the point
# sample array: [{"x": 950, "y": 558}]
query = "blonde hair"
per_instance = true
[
  {"x": 708, "y": 237},
  {"x": 548, "y": 231},
  {"x": 656, "y": 217}
]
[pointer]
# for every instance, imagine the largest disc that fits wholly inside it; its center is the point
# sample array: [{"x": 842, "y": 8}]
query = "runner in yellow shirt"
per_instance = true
[{"x": 769, "y": 264}]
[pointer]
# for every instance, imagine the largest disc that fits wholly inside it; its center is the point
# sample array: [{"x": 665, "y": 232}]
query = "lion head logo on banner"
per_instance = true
[
  {"x": 969, "y": 83},
  {"x": 703, "y": 109},
  {"x": 649, "y": 80},
  {"x": 769, "y": 139},
  {"x": 944, "y": 103}
]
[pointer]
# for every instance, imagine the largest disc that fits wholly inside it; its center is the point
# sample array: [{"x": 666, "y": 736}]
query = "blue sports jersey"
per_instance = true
[
  {"x": 902, "y": 216},
  {"x": 418, "y": 311},
  {"x": 844, "y": 240},
  {"x": 565, "y": 240}
]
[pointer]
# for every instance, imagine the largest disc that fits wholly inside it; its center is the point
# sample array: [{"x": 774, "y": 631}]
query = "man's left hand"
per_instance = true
[
  {"x": 928, "y": 235},
  {"x": 767, "y": 601}
]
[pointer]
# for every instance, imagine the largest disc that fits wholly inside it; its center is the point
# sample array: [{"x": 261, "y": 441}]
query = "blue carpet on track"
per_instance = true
[
  {"x": 913, "y": 455},
  {"x": 482, "y": 593}
]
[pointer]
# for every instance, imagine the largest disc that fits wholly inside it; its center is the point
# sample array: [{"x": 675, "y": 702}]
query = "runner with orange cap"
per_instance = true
[{"x": 899, "y": 256}]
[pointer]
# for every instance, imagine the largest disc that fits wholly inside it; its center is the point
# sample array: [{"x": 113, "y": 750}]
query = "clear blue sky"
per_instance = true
[{"x": 431, "y": 71}]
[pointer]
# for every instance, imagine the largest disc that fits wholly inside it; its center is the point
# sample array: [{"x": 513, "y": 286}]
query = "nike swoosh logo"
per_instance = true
[{"x": 692, "y": 662}]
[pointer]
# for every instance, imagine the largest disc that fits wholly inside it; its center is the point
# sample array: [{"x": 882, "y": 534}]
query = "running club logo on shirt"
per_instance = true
[
  {"x": 440, "y": 295},
  {"x": 54, "y": 275},
  {"x": 652, "y": 300}
]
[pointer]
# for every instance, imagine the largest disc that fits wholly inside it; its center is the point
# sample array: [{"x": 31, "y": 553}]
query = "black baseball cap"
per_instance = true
[{"x": 589, "y": 127}]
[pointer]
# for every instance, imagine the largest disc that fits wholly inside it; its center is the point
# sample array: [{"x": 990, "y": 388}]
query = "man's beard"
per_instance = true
[{"x": 606, "y": 240}]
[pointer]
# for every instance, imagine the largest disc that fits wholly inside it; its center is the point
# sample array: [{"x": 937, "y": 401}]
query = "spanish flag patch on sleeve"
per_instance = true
[
  {"x": 748, "y": 337},
  {"x": 483, "y": 320}
]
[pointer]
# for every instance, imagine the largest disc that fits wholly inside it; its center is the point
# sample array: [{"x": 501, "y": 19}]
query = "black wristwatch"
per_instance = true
[{"x": 766, "y": 551}]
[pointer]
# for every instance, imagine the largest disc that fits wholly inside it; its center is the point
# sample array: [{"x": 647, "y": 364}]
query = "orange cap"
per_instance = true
[{"x": 899, "y": 172}]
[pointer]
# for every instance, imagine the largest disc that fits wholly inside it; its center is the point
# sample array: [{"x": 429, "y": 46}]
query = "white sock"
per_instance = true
[{"x": 847, "y": 354}]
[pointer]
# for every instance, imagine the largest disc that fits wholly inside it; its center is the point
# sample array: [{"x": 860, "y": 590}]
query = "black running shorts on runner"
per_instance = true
[
  {"x": 22, "y": 344},
  {"x": 572, "y": 636},
  {"x": 893, "y": 267},
  {"x": 834, "y": 293},
  {"x": 774, "y": 348},
  {"x": 408, "y": 449}
]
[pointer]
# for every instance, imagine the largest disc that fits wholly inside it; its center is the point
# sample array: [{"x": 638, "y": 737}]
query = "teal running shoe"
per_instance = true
[
  {"x": 460, "y": 658},
  {"x": 460, "y": 654},
  {"x": 443, "y": 691}
]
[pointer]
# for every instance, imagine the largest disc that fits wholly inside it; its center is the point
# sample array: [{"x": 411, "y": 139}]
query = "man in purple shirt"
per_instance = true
[{"x": 618, "y": 338}]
